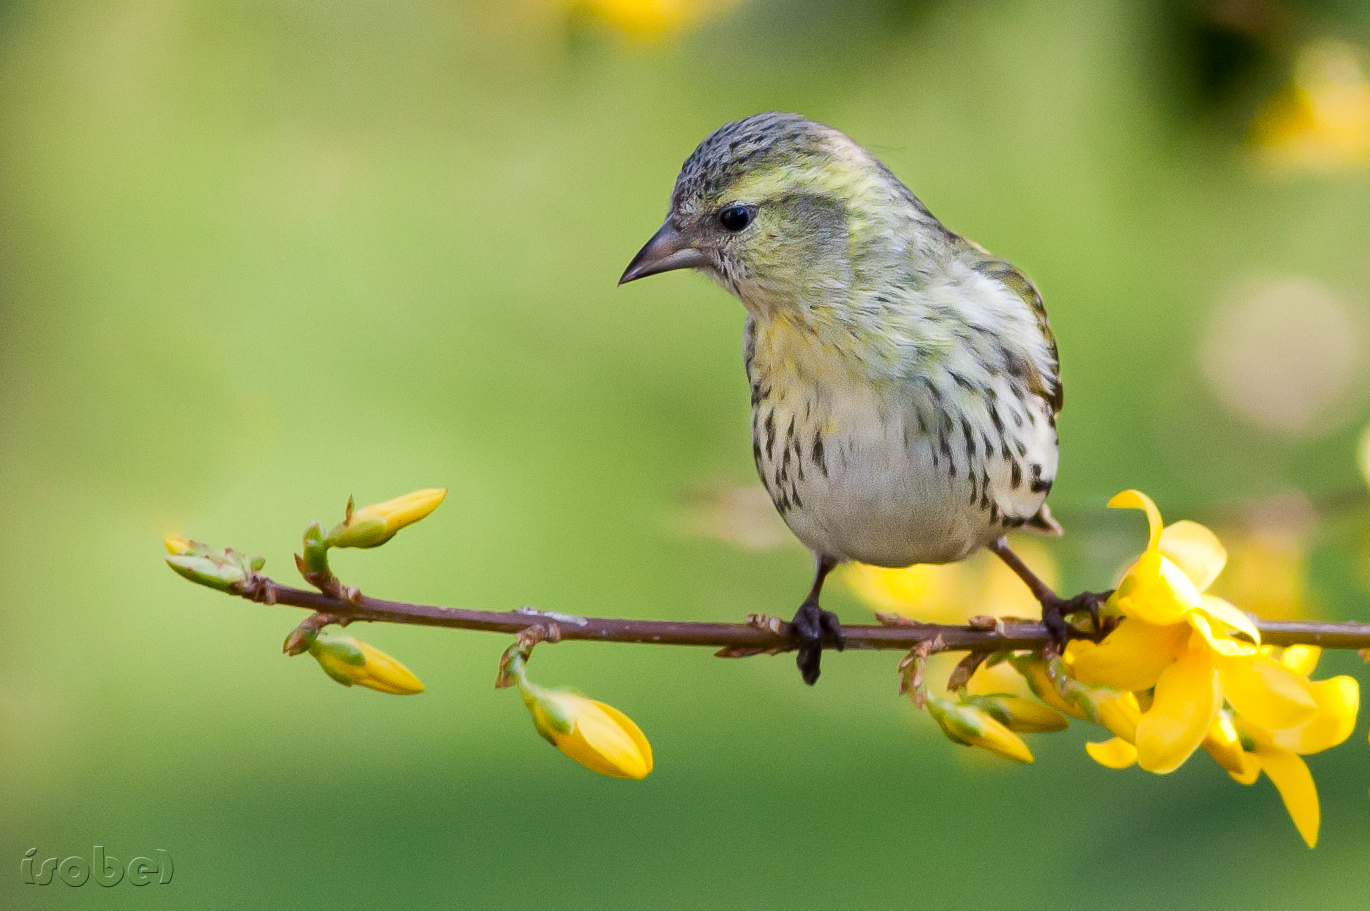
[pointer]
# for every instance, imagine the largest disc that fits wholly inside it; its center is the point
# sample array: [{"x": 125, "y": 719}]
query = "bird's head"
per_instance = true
[{"x": 778, "y": 209}]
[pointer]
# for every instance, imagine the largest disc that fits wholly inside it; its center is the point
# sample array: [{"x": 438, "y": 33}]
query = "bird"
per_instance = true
[{"x": 905, "y": 382}]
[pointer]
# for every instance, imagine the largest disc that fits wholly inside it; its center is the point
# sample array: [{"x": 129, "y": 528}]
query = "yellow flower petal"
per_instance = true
[
  {"x": 1115, "y": 754},
  {"x": 1120, "y": 715},
  {"x": 1301, "y": 659},
  {"x": 1338, "y": 701},
  {"x": 1231, "y": 616},
  {"x": 1217, "y": 638},
  {"x": 952, "y": 592},
  {"x": 1291, "y": 777},
  {"x": 903, "y": 590},
  {"x": 1135, "y": 499},
  {"x": 1265, "y": 692},
  {"x": 1186, "y": 700},
  {"x": 1195, "y": 550},
  {"x": 998, "y": 679},
  {"x": 1223, "y": 744},
  {"x": 1156, "y": 590},
  {"x": 1250, "y": 771},
  {"x": 1131, "y": 657}
]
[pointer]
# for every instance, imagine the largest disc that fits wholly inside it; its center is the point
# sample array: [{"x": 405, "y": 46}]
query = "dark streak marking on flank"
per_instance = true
[{"x": 997, "y": 421}]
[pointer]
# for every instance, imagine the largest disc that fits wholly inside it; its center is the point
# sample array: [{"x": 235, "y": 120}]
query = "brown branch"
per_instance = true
[{"x": 740, "y": 638}]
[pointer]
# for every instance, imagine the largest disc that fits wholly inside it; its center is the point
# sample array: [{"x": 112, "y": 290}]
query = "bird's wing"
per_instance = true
[{"x": 1012, "y": 278}]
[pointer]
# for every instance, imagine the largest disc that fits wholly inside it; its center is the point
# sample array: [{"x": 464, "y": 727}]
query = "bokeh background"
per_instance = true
[{"x": 257, "y": 256}]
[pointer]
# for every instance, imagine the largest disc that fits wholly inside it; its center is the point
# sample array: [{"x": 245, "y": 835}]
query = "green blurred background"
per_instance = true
[{"x": 257, "y": 256}]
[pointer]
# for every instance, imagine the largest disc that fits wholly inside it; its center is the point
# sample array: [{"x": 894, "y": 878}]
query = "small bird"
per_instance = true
[{"x": 904, "y": 381}]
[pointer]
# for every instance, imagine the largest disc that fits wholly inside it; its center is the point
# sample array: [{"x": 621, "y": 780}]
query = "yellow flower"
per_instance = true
[
  {"x": 968, "y": 725},
  {"x": 177, "y": 546},
  {"x": 597, "y": 736},
  {"x": 1182, "y": 642},
  {"x": 953, "y": 592},
  {"x": 352, "y": 662},
  {"x": 1322, "y": 120},
  {"x": 1246, "y": 749},
  {"x": 649, "y": 20},
  {"x": 373, "y": 525}
]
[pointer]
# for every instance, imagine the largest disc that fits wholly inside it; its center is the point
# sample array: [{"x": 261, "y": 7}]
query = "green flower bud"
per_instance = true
[
  {"x": 206, "y": 571},
  {"x": 224, "y": 569}
]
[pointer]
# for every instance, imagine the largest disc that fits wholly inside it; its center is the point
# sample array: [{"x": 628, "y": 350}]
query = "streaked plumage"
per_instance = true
[{"x": 904, "y": 381}]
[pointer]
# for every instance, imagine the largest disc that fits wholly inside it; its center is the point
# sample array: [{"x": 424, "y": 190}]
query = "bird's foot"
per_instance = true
[
  {"x": 1056, "y": 609},
  {"x": 810, "y": 625}
]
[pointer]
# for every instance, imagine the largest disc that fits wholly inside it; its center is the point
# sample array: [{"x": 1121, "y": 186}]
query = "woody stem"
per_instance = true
[{"x": 1009, "y": 635}]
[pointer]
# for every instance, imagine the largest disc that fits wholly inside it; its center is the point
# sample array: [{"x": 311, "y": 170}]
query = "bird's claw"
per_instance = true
[
  {"x": 811, "y": 623},
  {"x": 1057, "y": 609}
]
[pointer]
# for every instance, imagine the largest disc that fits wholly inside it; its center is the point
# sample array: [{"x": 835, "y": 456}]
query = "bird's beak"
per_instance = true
[{"x": 667, "y": 250}]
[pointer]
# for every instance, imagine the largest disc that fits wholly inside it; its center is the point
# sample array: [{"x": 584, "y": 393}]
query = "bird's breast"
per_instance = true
[{"x": 892, "y": 471}]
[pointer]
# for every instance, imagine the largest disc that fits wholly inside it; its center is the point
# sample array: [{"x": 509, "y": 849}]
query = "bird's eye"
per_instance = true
[{"x": 735, "y": 218}]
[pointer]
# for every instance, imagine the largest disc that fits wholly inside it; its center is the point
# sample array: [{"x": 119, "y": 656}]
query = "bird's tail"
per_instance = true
[{"x": 1043, "y": 523}]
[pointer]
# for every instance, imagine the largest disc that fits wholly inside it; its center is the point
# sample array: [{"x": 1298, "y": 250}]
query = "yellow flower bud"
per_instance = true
[
  {"x": 597, "y": 736},
  {"x": 177, "y": 546},
  {"x": 352, "y": 662},
  {"x": 1026, "y": 716},
  {"x": 373, "y": 525},
  {"x": 969, "y": 726},
  {"x": 1050, "y": 682}
]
